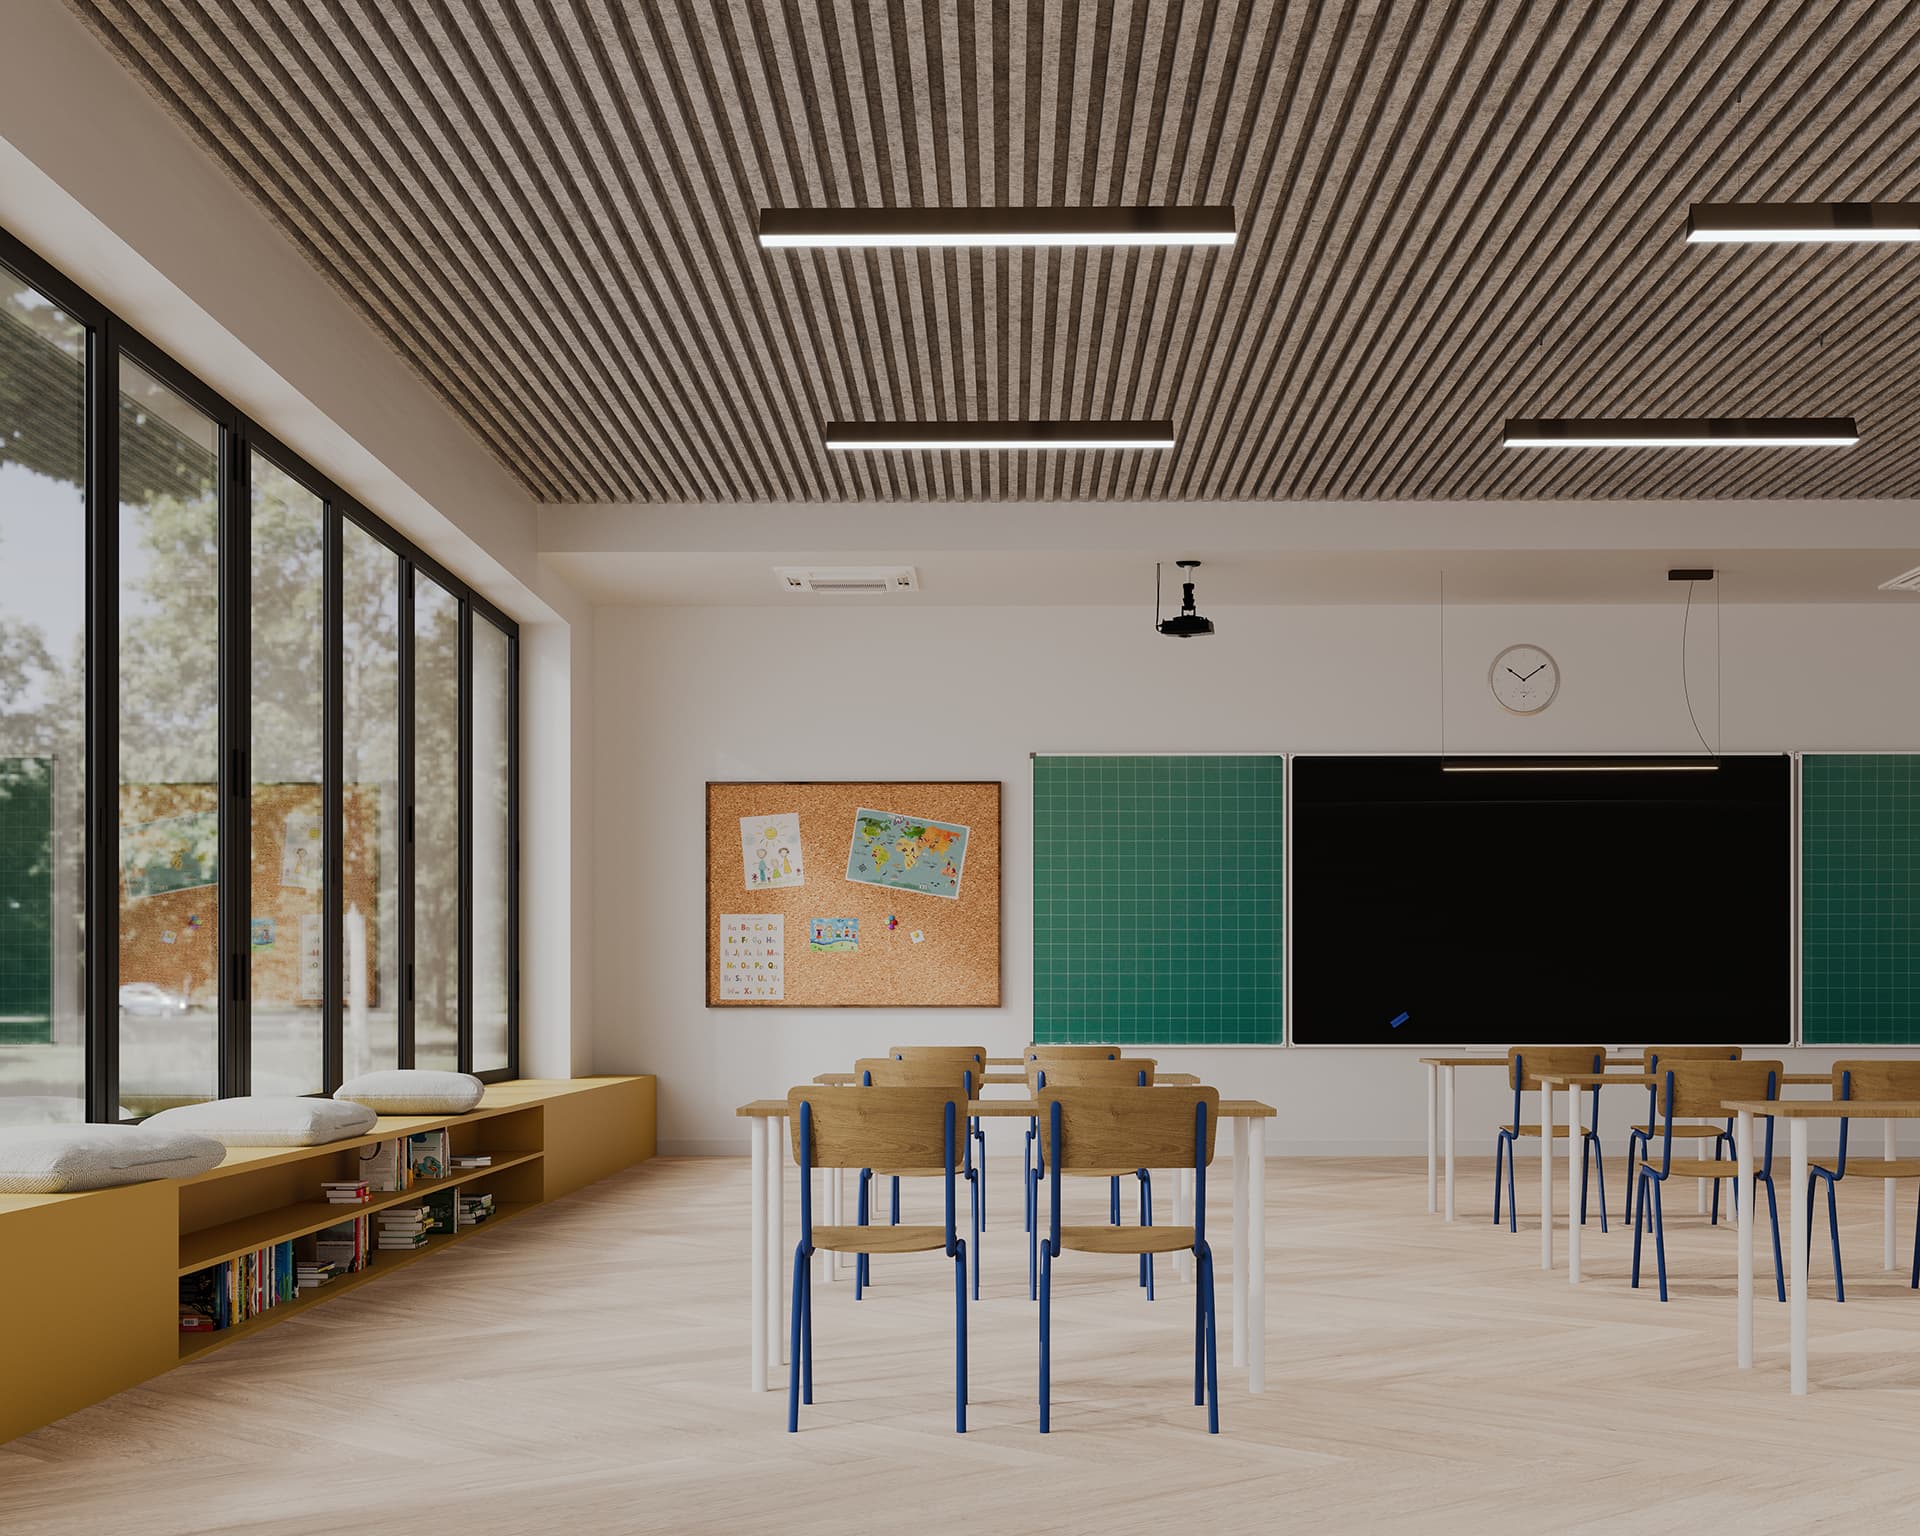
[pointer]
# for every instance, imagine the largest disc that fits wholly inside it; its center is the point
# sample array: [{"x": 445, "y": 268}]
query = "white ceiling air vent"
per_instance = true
[
  {"x": 848, "y": 580},
  {"x": 1910, "y": 582}
]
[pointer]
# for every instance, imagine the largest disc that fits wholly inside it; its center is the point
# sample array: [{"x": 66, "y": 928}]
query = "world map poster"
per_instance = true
[{"x": 907, "y": 853}]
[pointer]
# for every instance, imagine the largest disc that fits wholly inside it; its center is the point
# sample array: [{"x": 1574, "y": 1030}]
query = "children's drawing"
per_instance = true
[
  {"x": 907, "y": 853},
  {"x": 833, "y": 935},
  {"x": 300, "y": 847},
  {"x": 753, "y": 957},
  {"x": 770, "y": 851}
]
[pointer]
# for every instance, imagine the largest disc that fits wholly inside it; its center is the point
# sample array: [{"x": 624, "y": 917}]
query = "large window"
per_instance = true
[
  {"x": 264, "y": 738},
  {"x": 43, "y": 738}
]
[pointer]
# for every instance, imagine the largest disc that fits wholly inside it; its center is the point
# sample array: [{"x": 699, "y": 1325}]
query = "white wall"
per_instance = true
[{"x": 690, "y": 694}]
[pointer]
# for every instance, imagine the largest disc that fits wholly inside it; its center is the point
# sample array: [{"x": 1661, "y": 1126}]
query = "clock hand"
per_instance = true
[
  {"x": 1516, "y": 674},
  {"x": 1530, "y": 674}
]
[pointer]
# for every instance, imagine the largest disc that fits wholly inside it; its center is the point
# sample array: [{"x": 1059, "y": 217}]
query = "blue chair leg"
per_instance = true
[
  {"x": 1046, "y": 1339},
  {"x": 1600, "y": 1177},
  {"x": 1213, "y": 1350},
  {"x": 1199, "y": 1331},
  {"x": 1113, "y": 1201},
  {"x": 1033, "y": 1238},
  {"x": 793, "y": 1353},
  {"x": 895, "y": 1220},
  {"x": 1146, "y": 1220},
  {"x": 1586, "y": 1148},
  {"x": 1833, "y": 1230},
  {"x": 1513, "y": 1199},
  {"x": 1916, "y": 1246},
  {"x": 860, "y": 1279},
  {"x": 1633, "y": 1146},
  {"x": 1779, "y": 1269},
  {"x": 980, "y": 1143},
  {"x": 1637, "y": 1232},
  {"x": 1026, "y": 1172},
  {"x": 960, "y": 1339},
  {"x": 1659, "y": 1235},
  {"x": 1499, "y": 1156},
  {"x": 806, "y": 1333},
  {"x": 979, "y": 1221}
]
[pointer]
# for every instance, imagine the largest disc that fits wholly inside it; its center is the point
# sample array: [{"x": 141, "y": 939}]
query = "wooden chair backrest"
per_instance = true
[
  {"x": 1701, "y": 1088},
  {"x": 1087, "y": 1072},
  {"x": 878, "y": 1127},
  {"x": 1126, "y": 1127},
  {"x": 977, "y": 1054},
  {"x": 950, "y": 1074},
  {"x": 1877, "y": 1079},
  {"x": 1039, "y": 1056},
  {"x": 1574, "y": 1060},
  {"x": 1655, "y": 1054}
]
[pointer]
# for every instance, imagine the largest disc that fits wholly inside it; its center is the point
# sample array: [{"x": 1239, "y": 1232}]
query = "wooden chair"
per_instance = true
[
  {"x": 1093, "y": 1129},
  {"x": 1029, "y": 1164},
  {"x": 1864, "y": 1081},
  {"x": 976, "y": 1128},
  {"x": 1640, "y": 1136},
  {"x": 1524, "y": 1066},
  {"x": 954, "y": 1074},
  {"x": 922, "y": 1128},
  {"x": 1695, "y": 1089},
  {"x": 1090, "y": 1072}
]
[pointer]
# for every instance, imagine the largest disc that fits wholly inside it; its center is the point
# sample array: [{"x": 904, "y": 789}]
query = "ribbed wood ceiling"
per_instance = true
[{"x": 1449, "y": 214}]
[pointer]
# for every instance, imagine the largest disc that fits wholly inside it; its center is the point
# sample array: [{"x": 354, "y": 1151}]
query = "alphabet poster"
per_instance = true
[
  {"x": 753, "y": 957},
  {"x": 770, "y": 851}
]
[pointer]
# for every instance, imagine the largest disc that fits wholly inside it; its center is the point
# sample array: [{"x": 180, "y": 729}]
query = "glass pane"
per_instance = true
[
  {"x": 287, "y": 554},
  {"x": 370, "y": 852},
  {"x": 169, "y": 746},
  {"x": 492, "y": 975},
  {"x": 43, "y": 607},
  {"x": 436, "y": 825}
]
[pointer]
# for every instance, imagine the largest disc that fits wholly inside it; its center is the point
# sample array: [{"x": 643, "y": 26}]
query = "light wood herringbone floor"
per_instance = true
[{"x": 584, "y": 1370}]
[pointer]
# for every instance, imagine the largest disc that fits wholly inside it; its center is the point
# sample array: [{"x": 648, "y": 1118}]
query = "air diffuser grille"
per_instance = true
[{"x": 841, "y": 581}]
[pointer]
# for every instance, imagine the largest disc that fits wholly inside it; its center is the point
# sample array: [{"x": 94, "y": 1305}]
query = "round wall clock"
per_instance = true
[{"x": 1524, "y": 678}]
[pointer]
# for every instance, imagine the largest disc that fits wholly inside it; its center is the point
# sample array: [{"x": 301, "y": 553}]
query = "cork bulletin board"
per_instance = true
[{"x": 853, "y": 895}]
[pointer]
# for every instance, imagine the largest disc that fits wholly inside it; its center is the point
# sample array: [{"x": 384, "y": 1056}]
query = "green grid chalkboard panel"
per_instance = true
[
  {"x": 1157, "y": 894},
  {"x": 26, "y": 900},
  {"x": 1860, "y": 899}
]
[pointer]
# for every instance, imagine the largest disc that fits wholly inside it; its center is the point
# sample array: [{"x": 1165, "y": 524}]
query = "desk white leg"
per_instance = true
[
  {"x": 760, "y": 1330},
  {"x": 1743, "y": 1151},
  {"x": 1433, "y": 1139},
  {"x": 1256, "y": 1255},
  {"x": 1447, "y": 1107},
  {"x": 776, "y": 1239},
  {"x": 1182, "y": 1201},
  {"x": 1574, "y": 1145},
  {"x": 1886, "y": 1198},
  {"x": 1240, "y": 1222},
  {"x": 1797, "y": 1254},
  {"x": 1546, "y": 1179}
]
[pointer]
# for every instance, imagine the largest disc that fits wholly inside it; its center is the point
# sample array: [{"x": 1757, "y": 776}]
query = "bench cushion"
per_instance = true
[
  {"x": 269, "y": 1120},
  {"x": 412, "y": 1091},
  {"x": 63, "y": 1159}
]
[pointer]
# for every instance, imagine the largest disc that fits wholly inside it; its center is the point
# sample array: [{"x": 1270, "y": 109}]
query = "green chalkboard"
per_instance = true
[
  {"x": 1158, "y": 886},
  {"x": 1860, "y": 899},
  {"x": 26, "y": 900}
]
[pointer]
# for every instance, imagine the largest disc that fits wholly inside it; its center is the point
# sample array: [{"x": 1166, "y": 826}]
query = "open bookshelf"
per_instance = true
[{"x": 99, "y": 1273}]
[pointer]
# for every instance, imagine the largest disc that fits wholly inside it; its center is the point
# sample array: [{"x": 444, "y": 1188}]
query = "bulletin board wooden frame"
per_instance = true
[{"x": 956, "y": 963}]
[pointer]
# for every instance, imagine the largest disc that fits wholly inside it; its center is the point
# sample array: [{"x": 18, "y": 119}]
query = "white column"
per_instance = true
[
  {"x": 1256, "y": 1254},
  {"x": 1546, "y": 1178},
  {"x": 1743, "y": 1151},
  {"x": 1886, "y": 1199},
  {"x": 759, "y": 1126},
  {"x": 776, "y": 1236},
  {"x": 1797, "y": 1256},
  {"x": 1433, "y": 1138},
  {"x": 1240, "y": 1226},
  {"x": 1573, "y": 1186},
  {"x": 1447, "y": 1107}
]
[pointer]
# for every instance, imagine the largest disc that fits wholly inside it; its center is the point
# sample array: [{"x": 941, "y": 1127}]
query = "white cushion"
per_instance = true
[
  {"x": 414, "y": 1092},
  {"x": 269, "y": 1120},
  {"x": 58, "y": 1159}
]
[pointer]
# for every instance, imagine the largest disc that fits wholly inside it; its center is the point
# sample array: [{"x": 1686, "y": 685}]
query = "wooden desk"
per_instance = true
[
  {"x": 1440, "y": 1101},
  {"x": 1244, "y": 1119},
  {"x": 1017, "y": 1079},
  {"x": 1796, "y": 1112}
]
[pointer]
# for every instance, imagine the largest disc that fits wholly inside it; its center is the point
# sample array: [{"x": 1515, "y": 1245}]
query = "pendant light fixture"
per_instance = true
[{"x": 1187, "y": 623}]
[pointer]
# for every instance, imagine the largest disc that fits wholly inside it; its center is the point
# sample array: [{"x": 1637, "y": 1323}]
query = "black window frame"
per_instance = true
[{"x": 109, "y": 338}]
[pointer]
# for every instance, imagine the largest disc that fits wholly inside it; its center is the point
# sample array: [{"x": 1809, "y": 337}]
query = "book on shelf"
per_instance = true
[
  {"x": 439, "y": 1208},
  {"x": 383, "y": 1167},
  {"x": 346, "y": 1192},
  {"x": 346, "y": 1244},
  {"x": 242, "y": 1288},
  {"x": 473, "y": 1160},
  {"x": 428, "y": 1156},
  {"x": 471, "y": 1210}
]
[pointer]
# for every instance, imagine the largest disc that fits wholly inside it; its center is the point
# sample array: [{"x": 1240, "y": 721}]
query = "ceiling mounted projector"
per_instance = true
[{"x": 1187, "y": 623}]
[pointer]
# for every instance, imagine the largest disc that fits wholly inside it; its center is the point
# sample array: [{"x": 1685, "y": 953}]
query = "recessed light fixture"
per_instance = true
[
  {"x": 1686, "y": 432},
  {"x": 815, "y": 227},
  {"x": 1579, "y": 765},
  {"x": 1800, "y": 223},
  {"x": 899, "y": 436}
]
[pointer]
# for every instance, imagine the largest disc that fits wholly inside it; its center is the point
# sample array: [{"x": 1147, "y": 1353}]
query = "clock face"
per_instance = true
[{"x": 1524, "y": 679}]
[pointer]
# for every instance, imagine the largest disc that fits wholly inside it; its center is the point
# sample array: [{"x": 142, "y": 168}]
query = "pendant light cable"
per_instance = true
[{"x": 1686, "y": 692}]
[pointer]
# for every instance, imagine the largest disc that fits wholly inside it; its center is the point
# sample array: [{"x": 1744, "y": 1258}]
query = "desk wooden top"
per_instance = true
[
  {"x": 1587, "y": 1079},
  {"x": 1018, "y": 1109},
  {"x": 1018, "y": 1079},
  {"x": 1485, "y": 1060},
  {"x": 1826, "y": 1109}
]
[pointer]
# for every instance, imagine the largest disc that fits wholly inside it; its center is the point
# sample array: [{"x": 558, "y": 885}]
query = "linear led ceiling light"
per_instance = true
[
  {"x": 1686, "y": 432},
  {"x": 897, "y": 436},
  {"x": 791, "y": 227},
  {"x": 1798, "y": 223}
]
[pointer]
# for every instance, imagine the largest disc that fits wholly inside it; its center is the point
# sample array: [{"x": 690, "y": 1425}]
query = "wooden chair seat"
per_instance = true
[
  {"x": 1877, "y": 1167},
  {"x": 1692, "y": 1132},
  {"x": 1703, "y": 1168},
  {"x": 1530, "y": 1130},
  {"x": 879, "y": 1239},
  {"x": 907, "y": 1173},
  {"x": 1126, "y": 1239}
]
